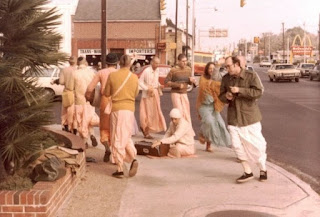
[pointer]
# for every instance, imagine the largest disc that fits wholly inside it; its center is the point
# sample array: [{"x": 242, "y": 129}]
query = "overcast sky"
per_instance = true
[{"x": 256, "y": 17}]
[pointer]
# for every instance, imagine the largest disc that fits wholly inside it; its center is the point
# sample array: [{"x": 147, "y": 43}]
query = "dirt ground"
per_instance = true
[{"x": 104, "y": 196}]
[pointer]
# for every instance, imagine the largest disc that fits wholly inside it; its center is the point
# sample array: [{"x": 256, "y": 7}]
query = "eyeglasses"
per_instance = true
[{"x": 229, "y": 66}]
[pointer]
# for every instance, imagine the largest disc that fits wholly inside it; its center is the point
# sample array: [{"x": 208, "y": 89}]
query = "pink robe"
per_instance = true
[
  {"x": 181, "y": 102},
  {"x": 102, "y": 77},
  {"x": 151, "y": 117},
  {"x": 122, "y": 146}
]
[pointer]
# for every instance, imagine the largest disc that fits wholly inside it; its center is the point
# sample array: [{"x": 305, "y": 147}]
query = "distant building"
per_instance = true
[
  {"x": 133, "y": 26},
  {"x": 67, "y": 9},
  {"x": 181, "y": 46}
]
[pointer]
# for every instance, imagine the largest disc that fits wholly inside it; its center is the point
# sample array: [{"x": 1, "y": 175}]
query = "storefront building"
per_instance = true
[{"x": 133, "y": 27}]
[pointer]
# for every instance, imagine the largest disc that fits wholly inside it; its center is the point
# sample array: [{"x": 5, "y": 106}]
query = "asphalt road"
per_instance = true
[{"x": 291, "y": 123}]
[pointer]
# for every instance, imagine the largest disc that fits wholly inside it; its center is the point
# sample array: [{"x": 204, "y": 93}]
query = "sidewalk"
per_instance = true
[{"x": 189, "y": 187}]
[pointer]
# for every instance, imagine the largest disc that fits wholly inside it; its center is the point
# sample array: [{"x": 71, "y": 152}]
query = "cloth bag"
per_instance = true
[
  {"x": 67, "y": 98},
  {"x": 108, "y": 108},
  {"x": 49, "y": 170}
]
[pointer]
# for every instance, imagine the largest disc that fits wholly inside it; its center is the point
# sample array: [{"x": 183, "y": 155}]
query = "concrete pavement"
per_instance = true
[{"x": 200, "y": 186}]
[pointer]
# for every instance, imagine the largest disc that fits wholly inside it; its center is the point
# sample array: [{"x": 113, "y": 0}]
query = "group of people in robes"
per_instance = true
[{"x": 239, "y": 89}]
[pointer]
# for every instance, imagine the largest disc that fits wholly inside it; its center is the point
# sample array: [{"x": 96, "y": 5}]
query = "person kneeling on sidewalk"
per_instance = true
[{"x": 180, "y": 136}]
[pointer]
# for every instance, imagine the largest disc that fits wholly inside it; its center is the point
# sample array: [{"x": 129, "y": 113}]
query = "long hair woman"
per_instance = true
[{"x": 213, "y": 129}]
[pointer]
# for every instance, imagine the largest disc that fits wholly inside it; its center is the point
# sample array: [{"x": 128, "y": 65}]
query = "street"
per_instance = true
[{"x": 291, "y": 118}]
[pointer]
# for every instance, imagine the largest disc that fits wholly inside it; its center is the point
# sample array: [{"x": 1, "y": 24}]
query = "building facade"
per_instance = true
[{"x": 133, "y": 27}]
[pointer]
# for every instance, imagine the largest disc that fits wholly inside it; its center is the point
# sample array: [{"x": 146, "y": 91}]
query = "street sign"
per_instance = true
[
  {"x": 172, "y": 45},
  {"x": 218, "y": 33},
  {"x": 161, "y": 45},
  {"x": 141, "y": 51}
]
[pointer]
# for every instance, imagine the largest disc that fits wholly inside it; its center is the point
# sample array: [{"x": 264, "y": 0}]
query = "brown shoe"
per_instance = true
[
  {"x": 133, "y": 168},
  {"x": 94, "y": 141}
]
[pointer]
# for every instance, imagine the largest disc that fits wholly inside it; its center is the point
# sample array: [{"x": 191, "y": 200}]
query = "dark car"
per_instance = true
[{"x": 315, "y": 73}]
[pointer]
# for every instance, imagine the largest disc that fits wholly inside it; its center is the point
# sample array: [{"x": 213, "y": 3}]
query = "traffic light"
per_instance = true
[
  {"x": 162, "y": 5},
  {"x": 242, "y": 3},
  {"x": 256, "y": 40}
]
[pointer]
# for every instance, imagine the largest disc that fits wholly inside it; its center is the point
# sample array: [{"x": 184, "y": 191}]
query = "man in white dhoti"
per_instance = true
[
  {"x": 180, "y": 136},
  {"x": 66, "y": 78},
  {"x": 85, "y": 114},
  {"x": 240, "y": 89},
  {"x": 151, "y": 117}
]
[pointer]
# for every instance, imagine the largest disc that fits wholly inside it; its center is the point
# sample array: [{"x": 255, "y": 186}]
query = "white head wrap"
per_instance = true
[{"x": 175, "y": 113}]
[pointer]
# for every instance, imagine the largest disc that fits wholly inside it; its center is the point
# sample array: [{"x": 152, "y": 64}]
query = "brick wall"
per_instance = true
[
  {"x": 44, "y": 199},
  {"x": 118, "y": 30}
]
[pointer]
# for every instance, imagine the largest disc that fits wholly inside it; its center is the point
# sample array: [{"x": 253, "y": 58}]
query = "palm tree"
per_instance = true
[{"x": 28, "y": 42}]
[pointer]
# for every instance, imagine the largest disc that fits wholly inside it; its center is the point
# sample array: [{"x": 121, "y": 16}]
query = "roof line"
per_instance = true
[{"x": 115, "y": 21}]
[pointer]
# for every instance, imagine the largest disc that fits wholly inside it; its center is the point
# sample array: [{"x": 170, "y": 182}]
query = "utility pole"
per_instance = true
[
  {"x": 304, "y": 42},
  {"x": 264, "y": 46},
  {"x": 103, "y": 33},
  {"x": 269, "y": 54},
  {"x": 193, "y": 36},
  {"x": 187, "y": 29},
  {"x": 176, "y": 33},
  {"x": 283, "y": 42},
  {"x": 319, "y": 39},
  {"x": 245, "y": 48}
]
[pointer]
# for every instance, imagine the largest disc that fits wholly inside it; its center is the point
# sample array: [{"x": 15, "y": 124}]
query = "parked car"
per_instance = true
[
  {"x": 163, "y": 72},
  {"x": 46, "y": 78},
  {"x": 315, "y": 73},
  {"x": 265, "y": 63},
  {"x": 283, "y": 72},
  {"x": 305, "y": 68},
  {"x": 249, "y": 68}
]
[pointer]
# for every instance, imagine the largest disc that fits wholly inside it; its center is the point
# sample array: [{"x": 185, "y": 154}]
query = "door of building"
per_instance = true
[{"x": 118, "y": 51}]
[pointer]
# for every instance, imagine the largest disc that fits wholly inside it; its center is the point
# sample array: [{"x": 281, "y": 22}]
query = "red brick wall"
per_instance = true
[
  {"x": 44, "y": 199},
  {"x": 118, "y": 30}
]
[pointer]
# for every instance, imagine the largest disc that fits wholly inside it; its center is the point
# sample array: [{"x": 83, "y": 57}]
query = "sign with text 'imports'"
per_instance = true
[{"x": 141, "y": 51}]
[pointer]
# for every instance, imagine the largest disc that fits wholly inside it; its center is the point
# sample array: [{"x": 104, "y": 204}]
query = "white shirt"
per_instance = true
[
  {"x": 82, "y": 78},
  {"x": 149, "y": 77},
  {"x": 182, "y": 133}
]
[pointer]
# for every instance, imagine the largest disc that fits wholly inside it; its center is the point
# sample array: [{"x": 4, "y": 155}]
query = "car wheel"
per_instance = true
[
  {"x": 271, "y": 80},
  {"x": 190, "y": 88},
  {"x": 296, "y": 79},
  {"x": 311, "y": 78},
  {"x": 275, "y": 79},
  {"x": 48, "y": 93}
]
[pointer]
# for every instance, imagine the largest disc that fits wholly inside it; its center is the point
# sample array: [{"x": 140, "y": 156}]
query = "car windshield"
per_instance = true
[
  {"x": 284, "y": 67},
  {"x": 307, "y": 66},
  {"x": 46, "y": 72}
]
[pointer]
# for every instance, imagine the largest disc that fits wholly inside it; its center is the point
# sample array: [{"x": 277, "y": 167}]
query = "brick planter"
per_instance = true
[{"x": 45, "y": 198}]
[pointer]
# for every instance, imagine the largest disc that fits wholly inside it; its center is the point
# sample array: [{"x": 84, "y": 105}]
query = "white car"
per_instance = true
[
  {"x": 283, "y": 72},
  {"x": 250, "y": 68},
  {"x": 265, "y": 63},
  {"x": 305, "y": 68},
  {"x": 46, "y": 79}
]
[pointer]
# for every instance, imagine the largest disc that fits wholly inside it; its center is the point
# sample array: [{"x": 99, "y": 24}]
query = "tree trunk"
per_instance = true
[{"x": 3, "y": 172}]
